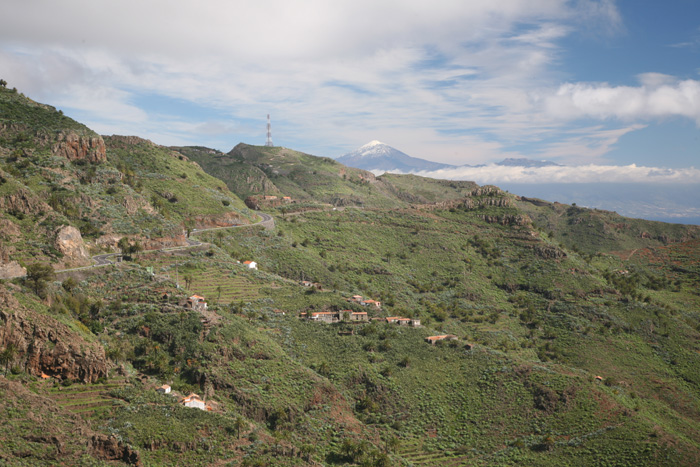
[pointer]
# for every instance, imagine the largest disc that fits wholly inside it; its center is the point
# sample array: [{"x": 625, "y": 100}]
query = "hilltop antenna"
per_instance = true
[{"x": 269, "y": 133}]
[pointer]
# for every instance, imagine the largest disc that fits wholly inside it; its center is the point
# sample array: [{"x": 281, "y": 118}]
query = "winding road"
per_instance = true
[{"x": 266, "y": 221}]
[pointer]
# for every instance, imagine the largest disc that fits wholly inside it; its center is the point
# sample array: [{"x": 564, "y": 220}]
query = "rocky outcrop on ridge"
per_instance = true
[{"x": 74, "y": 147}]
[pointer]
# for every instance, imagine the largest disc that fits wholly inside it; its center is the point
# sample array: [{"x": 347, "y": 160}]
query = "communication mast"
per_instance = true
[{"x": 269, "y": 133}]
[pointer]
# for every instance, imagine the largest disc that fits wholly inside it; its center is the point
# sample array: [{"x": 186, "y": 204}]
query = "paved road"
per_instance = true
[{"x": 266, "y": 221}]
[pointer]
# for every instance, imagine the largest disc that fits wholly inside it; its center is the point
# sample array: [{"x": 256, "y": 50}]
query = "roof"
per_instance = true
[
  {"x": 358, "y": 312},
  {"x": 248, "y": 262},
  {"x": 165, "y": 386},
  {"x": 191, "y": 397},
  {"x": 324, "y": 313},
  {"x": 196, "y": 297},
  {"x": 444, "y": 336}
]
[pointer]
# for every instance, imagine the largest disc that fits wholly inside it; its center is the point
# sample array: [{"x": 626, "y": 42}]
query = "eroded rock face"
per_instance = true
[
  {"x": 70, "y": 243},
  {"x": 74, "y": 147},
  {"x": 23, "y": 201},
  {"x": 110, "y": 448},
  {"x": 46, "y": 345},
  {"x": 11, "y": 270}
]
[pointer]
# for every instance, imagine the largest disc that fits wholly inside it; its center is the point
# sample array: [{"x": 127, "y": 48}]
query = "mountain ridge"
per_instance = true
[{"x": 571, "y": 332}]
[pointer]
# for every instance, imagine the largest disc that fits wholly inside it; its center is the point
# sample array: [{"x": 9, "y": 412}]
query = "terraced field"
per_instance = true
[
  {"x": 87, "y": 400},
  {"x": 235, "y": 286},
  {"x": 413, "y": 453},
  {"x": 236, "y": 282}
]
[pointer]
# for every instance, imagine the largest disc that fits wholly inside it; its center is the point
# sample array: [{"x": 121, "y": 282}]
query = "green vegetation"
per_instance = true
[{"x": 576, "y": 330}]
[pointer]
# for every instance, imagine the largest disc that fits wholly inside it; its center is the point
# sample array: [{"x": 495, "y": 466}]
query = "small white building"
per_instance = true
[
  {"x": 251, "y": 264},
  {"x": 164, "y": 389},
  {"x": 194, "y": 401},
  {"x": 197, "y": 303}
]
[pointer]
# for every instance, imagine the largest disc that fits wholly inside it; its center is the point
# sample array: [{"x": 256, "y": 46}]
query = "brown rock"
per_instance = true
[
  {"x": 12, "y": 269},
  {"x": 70, "y": 243},
  {"x": 74, "y": 147},
  {"x": 23, "y": 201},
  {"x": 110, "y": 448},
  {"x": 46, "y": 345}
]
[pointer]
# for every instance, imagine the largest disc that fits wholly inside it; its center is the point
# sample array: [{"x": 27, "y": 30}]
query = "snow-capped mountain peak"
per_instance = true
[{"x": 376, "y": 155}]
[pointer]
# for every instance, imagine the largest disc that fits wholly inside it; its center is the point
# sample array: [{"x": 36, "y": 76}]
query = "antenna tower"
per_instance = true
[{"x": 269, "y": 133}]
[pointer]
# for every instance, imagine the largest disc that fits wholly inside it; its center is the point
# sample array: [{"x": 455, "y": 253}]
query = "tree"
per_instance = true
[
  {"x": 37, "y": 276},
  {"x": 188, "y": 280},
  {"x": 392, "y": 444},
  {"x": 7, "y": 356},
  {"x": 239, "y": 424},
  {"x": 218, "y": 293},
  {"x": 3, "y": 83}
]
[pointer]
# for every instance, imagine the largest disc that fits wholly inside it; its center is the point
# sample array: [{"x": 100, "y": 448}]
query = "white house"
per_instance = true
[
  {"x": 193, "y": 400},
  {"x": 164, "y": 389},
  {"x": 251, "y": 264}
]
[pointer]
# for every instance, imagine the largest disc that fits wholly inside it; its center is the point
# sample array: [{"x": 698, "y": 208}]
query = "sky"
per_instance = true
[{"x": 610, "y": 85}]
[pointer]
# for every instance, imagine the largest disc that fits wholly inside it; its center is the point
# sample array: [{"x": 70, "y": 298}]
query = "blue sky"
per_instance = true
[{"x": 599, "y": 83}]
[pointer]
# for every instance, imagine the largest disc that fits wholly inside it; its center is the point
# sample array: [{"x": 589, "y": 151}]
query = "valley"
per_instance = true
[{"x": 576, "y": 331}]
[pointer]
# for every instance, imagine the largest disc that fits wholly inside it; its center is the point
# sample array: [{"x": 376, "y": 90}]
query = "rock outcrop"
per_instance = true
[
  {"x": 74, "y": 147},
  {"x": 45, "y": 345},
  {"x": 23, "y": 201},
  {"x": 70, "y": 243}
]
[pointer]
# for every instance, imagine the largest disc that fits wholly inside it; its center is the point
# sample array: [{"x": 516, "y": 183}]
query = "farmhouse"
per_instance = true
[
  {"x": 164, "y": 389},
  {"x": 355, "y": 298},
  {"x": 194, "y": 401},
  {"x": 358, "y": 315},
  {"x": 326, "y": 316},
  {"x": 433, "y": 339},
  {"x": 306, "y": 283},
  {"x": 196, "y": 303},
  {"x": 251, "y": 264},
  {"x": 374, "y": 303}
]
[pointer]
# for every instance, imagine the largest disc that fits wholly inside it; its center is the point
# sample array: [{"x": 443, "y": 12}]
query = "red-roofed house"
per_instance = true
[
  {"x": 251, "y": 264},
  {"x": 374, "y": 303},
  {"x": 194, "y": 401},
  {"x": 197, "y": 303},
  {"x": 433, "y": 339}
]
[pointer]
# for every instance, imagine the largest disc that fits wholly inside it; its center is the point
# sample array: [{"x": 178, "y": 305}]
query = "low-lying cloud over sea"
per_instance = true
[{"x": 669, "y": 195}]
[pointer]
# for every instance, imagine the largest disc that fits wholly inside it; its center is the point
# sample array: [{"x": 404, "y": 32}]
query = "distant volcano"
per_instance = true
[{"x": 379, "y": 156}]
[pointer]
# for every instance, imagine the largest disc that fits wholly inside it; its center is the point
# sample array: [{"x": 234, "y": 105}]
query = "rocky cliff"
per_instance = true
[
  {"x": 74, "y": 147},
  {"x": 45, "y": 345}
]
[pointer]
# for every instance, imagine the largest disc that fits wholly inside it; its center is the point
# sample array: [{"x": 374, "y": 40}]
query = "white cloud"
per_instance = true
[
  {"x": 495, "y": 174},
  {"x": 452, "y": 80},
  {"x": 658, "y": 96}
]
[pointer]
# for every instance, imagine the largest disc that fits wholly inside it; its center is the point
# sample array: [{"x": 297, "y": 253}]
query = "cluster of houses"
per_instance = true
[
  {"x": 357, "y": 317},
  {"x": 193, "y": 400}
]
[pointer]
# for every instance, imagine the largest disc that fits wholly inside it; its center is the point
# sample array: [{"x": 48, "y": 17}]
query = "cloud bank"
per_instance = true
[{"x": 495, "y": 174}]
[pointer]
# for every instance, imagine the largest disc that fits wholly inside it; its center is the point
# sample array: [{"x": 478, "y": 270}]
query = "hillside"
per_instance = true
[
  {"x": 66, "y": 192},
  {"x": 572, "y": 334}
]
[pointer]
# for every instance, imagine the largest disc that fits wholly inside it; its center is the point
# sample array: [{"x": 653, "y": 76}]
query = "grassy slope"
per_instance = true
[
  {"x": 142, "y": 190},
  {"x": 543, "y": 319}
]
